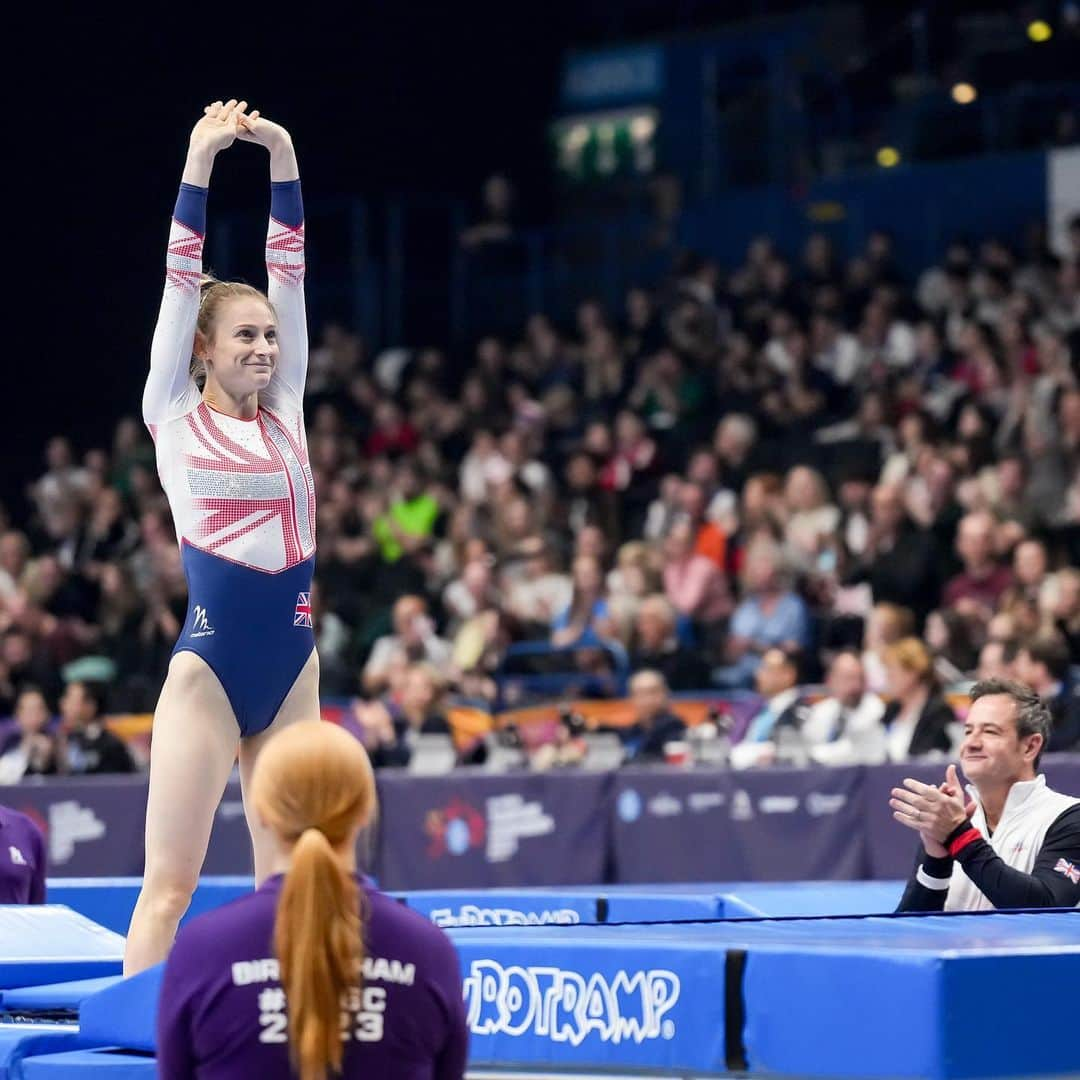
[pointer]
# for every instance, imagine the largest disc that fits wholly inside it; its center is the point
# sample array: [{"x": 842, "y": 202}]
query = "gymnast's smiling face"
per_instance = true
[{"x": 242, "y": 351}]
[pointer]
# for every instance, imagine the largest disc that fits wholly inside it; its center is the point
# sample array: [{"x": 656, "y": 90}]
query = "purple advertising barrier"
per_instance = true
[
  {"x": 471, "y": 830},
  {"x": 758, "y": 825},
  {"x": 891, "y": 848},
  {"x": 93, "y": 826}
]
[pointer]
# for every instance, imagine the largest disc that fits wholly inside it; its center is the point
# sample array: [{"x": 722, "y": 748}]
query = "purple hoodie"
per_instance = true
[
  {"x": 222, "y": 1013},
  {"x": 22, "y": 859}
]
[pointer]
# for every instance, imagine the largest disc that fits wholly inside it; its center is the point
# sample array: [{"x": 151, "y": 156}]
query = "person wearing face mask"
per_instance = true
[
  {"x": 224, "y": 403},
  {"x": 1009, "y": 841}
]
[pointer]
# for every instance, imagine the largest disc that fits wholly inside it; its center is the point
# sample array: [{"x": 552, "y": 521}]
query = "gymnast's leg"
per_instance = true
[
  {"x": 300, "y": 704},
  {"x": 192, "y": 751}
]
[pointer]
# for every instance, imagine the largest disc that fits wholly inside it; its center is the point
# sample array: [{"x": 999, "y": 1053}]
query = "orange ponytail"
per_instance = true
[
  {"x": 313, "y": 786},
  {"x": 318, "y": 941}
]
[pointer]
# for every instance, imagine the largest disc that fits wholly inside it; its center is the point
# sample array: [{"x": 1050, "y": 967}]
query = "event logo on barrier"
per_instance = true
[
  {"x": 471, "y": 915},
  {"x": 822, "y": 804},
  {"x": 629, "y": 806},
  {"x": 569, "y": 1006},
  {"x": 459, "y": 826},
  {"x": 454, "y": 829},
  {"x": 742, "y": 806},
  {"x": 70, "y": 823}
]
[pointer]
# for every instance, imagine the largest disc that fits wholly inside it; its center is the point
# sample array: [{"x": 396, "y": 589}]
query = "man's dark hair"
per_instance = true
[
  {"x": 96, "y": 692},
  {"x": 1049, "y": 648},
  {"x": 1032, "y": 714}
]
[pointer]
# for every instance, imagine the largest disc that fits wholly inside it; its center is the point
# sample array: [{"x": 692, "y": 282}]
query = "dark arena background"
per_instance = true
[{"x": 693, "y": 414}]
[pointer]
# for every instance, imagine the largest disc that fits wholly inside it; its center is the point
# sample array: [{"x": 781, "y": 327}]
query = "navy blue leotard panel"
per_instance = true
[{"x": 254, "y": 629}]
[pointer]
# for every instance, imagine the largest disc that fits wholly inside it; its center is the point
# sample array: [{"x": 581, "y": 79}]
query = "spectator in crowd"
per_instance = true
[
  {"x": 540, "y": 593},
  {"x": 1017, "y": 843},
  {"x": 1065, "y": 609},
  {"x": 694, "y": 584},
  {"x": 85, "y": 744},
  {"x": 410, "y": 518},
  {"x": 390, "y": 725},
  {"x": 996, "y": 659},
  {"x": 845, "y": 728},
  {"x": 655, "y": 646},
  {"x": 655, "y": 725},
  {"x": 22, "y": 859},
  {"x": 783, "y": 713},
  {"x": 587, "y": 618},
  {"x": 771, "y": 614},
  {"x": 900, "y": 561},
  {"x": 1042, "y": 662},
  {"x": 413, "y": 640},
  {"x": 917, "y": 719},
  {"x": 886, "y": 625},
  {"x": 812, "y": 521},
  {"x": 30, "y": 750},
  {"x": 978, "y": 588}
]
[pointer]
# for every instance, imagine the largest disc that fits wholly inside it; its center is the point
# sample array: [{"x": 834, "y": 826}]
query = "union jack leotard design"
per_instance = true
[{"x": 241, "y": 491}]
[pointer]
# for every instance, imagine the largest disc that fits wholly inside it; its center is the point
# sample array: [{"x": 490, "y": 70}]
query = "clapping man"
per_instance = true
[{"x": 1014, "y": 843}]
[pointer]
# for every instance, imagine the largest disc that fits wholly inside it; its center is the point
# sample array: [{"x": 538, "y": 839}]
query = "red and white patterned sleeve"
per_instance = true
[
  {"x": 170, "y": 391},
  {"x": 285, "y": 273}
]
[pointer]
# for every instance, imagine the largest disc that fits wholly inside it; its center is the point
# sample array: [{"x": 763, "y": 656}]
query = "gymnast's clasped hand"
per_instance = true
[
  {"x": 933, "y": 812},
  {"x": 224, "y": 122}
]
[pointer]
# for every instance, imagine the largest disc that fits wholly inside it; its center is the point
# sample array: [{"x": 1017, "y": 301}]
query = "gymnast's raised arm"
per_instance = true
[
  {"x": 170, "y": 390},
  {"x": 284, "y": 261}
]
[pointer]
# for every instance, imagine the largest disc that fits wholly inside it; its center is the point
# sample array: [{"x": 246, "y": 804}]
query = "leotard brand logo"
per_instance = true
[
  {"x": 570, "y": 1006},
  {"x": 200, "y": 625}
]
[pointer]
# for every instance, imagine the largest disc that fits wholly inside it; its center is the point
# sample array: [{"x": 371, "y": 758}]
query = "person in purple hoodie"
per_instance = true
[
  {"x": 315, "y": 973},
  {"x": 22, "y": 859}
]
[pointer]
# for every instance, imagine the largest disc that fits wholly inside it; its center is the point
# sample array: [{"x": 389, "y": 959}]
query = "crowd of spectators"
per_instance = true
[{"x": 805, "y": 470}]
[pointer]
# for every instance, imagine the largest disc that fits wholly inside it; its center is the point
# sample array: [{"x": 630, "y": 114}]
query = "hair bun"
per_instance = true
[{"x": 207, "y": 282}]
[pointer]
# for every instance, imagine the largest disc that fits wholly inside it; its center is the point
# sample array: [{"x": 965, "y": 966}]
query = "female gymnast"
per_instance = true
[
  {"x": 315, "y": 969},
  {"x": 224, "y": 404}
]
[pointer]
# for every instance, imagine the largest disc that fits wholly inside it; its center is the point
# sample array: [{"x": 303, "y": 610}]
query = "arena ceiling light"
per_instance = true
[
  {"x": 888, "y": 156},
  {"x": 1039, "y": 30},
  {"x": 964, "y": 93}
]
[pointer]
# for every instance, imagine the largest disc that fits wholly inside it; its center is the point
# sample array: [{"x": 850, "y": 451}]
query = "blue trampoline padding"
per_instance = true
[
  {"x": 646, "y": 905},
  {"x": 811, "y": 898},
  {"x": 878, "y": 996},
  {"x": 584, "y": 997},
  {"x": 124, "y": 1014},
  {"x": 904, "y": 1015},
  {"x": 87, "y": 1065},
  {"x": 502, "y": 907},
  {"x": 18, "y": 1041},
  {"x": 46, "y": 943},
  {"x": 65, "y": 995},
  {"x": 110, "y": 901}
]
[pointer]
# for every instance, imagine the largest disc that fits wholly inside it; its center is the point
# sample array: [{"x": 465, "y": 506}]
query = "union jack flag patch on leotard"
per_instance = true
[
  {"x": 303, "y": 610},
  {"x": 1070, "y": 870}
]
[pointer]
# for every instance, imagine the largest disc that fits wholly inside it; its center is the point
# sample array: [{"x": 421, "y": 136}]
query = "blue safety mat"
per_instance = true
[
  {"x": 641, "y": 903},
  {"x": 80, "y": 1064},
  {"x": 110, "y": 901},
  {"x": 49, "y": 944},
  {"x": 65, "y": 995},
  {"x": 124, "y": 1014},
  {"x": 21, "y": 1040}
]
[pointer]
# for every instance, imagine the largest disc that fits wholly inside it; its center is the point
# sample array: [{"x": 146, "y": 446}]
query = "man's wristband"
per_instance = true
[{"x": 965, "y": 833}]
